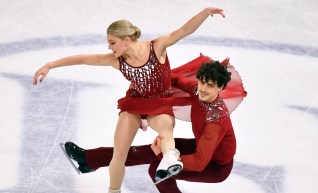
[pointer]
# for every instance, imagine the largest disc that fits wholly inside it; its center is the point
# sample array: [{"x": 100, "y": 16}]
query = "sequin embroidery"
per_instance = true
[
  {"x": 215, "y": 111},
  {"x": 151, "y": 80}
]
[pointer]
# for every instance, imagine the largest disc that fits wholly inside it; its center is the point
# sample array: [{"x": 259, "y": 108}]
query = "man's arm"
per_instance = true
[
  {"x": 208, "y": 142},
  {"x": 183, "y": 83}
]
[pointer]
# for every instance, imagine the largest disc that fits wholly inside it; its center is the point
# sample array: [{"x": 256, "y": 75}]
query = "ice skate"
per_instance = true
[
  {"x": 169, "y": 166},
  {"x": 77, "y": 154},
  {"x": 69, "y": 159}
]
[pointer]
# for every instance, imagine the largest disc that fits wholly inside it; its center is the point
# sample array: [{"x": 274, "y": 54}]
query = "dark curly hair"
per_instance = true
[{"x": 214, "y": 71}]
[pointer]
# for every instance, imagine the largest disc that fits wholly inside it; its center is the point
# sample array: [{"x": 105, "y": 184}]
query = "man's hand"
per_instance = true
[{"x": 156, "y": 145}]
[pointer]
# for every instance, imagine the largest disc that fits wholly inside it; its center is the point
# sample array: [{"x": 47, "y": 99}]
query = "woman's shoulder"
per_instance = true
[{"x": 146, "y": 43}]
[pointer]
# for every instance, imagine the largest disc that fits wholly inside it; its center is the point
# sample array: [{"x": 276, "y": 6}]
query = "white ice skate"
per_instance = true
[{"x": 169, "y": 166}]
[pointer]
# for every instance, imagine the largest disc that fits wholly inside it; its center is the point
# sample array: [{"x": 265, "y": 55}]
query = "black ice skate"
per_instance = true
[{"x": 72, "y": 151}]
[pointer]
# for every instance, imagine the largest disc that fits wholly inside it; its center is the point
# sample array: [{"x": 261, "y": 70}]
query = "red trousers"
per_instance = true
[{"x": 138, "y": 155}]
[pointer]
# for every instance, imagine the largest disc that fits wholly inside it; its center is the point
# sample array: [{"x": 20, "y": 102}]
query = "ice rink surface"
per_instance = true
[{"x": 273, "y": 45}]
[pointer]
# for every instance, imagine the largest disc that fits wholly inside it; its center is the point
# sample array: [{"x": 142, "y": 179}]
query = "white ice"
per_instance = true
[{"x": 273, "y": 45}]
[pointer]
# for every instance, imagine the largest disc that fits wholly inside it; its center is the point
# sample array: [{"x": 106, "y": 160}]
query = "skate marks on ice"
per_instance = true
[
  {"x": 268, "y": 179},
  {"x": 49, "y": 117},
  {"x": 310, "y": 110}
]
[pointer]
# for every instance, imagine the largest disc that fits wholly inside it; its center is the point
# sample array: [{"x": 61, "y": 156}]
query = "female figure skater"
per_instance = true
[{"x": 145, "y": 64}]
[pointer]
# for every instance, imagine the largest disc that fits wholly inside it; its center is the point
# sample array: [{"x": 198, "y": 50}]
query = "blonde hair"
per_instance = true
[{"x": 122, "y": 29}]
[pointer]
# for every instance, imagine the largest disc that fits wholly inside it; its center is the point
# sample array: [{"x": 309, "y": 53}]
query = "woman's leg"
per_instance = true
[
  {"x": 163, "y": 125},
  {"x": 127, "y": 127},
  {"x": 170, "y": 163}
]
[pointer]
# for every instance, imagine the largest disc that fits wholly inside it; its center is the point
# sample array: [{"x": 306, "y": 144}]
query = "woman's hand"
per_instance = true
[
  {"x": 214, "y": 10},
  {"x": 42, "y": 72}
]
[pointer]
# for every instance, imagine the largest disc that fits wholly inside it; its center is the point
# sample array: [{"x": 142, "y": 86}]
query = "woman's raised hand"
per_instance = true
[{"x": 214, "y": 10}]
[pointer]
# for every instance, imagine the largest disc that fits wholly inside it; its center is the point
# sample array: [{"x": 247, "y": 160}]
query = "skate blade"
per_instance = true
[
  {"x": 163, "y": 179},
  {"x": 172, "y": 171},
  {"x": 69, "y": 159}
]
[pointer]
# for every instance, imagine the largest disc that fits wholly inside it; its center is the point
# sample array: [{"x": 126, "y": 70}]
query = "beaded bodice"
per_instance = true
[{"x": 152, "y": 80}]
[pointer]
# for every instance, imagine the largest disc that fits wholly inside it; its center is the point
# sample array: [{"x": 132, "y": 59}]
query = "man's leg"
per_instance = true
[
  {"x": 213, "y": 173},
  {"x": 90, "y": 160},
  {"x": 100, "y": 157}
]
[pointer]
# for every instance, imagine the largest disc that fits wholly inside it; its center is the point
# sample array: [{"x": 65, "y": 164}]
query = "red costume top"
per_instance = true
[{"x": 212, "y": 129}]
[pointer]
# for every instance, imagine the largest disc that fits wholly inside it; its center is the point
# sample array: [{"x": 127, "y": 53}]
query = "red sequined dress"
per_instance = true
[{"x": 150, "y": 81}]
